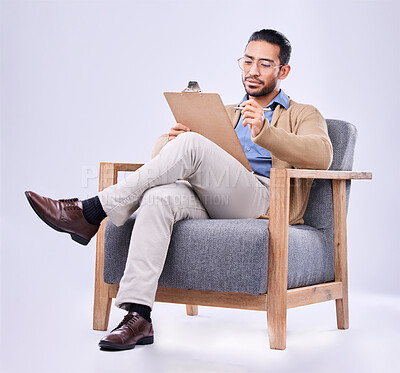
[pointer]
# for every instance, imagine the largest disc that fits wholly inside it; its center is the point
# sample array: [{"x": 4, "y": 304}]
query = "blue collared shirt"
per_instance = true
[{"x": 259, "y": 158}]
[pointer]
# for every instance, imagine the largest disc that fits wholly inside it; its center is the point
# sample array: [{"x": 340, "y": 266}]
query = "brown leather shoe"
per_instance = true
[
  {"x": 132, "y": 330},
  {"x": 64, "y": 215}
]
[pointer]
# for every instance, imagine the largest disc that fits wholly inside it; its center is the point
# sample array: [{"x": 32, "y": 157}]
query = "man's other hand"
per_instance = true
[
  {"x": 177, "y": 130},
  {"x": 253, "y": 116}
]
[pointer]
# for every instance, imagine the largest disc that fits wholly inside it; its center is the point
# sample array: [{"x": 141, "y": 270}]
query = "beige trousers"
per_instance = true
[{"x": 217, "y": 186}]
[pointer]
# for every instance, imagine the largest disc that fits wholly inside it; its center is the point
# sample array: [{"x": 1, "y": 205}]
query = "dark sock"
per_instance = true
[
  {"x": 141, "y": 309},
  {"x": 93, "y": 210}
]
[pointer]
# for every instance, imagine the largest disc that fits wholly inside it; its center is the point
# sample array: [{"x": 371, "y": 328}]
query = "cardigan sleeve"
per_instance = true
[{"x": 307, "y": 146}]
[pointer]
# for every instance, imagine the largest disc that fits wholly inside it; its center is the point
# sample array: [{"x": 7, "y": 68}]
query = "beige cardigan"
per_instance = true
[{"x": 297, "y": 138}]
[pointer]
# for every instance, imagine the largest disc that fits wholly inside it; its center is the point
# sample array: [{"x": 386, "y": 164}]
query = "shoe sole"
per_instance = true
[
  {"x": 112, "y": 346},
  {"x": 75, "y": 237}
]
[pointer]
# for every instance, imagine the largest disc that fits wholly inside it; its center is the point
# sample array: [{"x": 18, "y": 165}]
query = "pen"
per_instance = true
[{"x": 242, "y": 107}]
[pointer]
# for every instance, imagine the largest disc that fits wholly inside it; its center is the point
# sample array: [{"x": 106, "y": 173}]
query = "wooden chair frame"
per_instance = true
[{"x": 279, "y": 298}]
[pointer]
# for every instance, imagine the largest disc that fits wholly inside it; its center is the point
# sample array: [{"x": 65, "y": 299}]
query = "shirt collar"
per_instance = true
[{"x": 281, "y": 98}]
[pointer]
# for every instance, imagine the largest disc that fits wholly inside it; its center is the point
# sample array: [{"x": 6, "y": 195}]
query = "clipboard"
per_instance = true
[{"x": 204, "y": 113}]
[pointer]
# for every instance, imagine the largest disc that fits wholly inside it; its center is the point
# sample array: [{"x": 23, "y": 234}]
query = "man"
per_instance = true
[{"x": 288, "y": 135}]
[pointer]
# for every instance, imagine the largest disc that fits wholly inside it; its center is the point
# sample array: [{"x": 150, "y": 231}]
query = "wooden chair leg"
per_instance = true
[
  {"x": 192, "y": 310},
  {"x": 102, "y": 306},
  {"x": 276, "y": 318},
  {"x": 342, "y": 313},
  {"x": 340, "y": 241},
  {"x": 102, "y": 299}
]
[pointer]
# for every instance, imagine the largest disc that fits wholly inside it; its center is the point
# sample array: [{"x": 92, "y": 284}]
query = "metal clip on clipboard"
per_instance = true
[{"x": 193, "y": 86}]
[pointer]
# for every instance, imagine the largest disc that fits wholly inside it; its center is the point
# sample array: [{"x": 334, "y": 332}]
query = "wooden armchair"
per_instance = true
[{"x": 279, "y": 297}]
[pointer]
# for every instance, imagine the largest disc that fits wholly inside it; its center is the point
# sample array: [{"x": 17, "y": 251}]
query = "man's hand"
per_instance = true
[
  {"x": 253, "y": 116},
  {"x": 177, "y": 130}
]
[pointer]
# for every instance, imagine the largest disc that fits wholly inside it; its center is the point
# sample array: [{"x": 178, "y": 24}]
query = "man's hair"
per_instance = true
[{"x": 277, "y": 38}]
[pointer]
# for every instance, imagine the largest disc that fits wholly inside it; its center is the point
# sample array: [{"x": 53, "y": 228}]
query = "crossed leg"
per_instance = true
[{"x": 216, "y": 186}]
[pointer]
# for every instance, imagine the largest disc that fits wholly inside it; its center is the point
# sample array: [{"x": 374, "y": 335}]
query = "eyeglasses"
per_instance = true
[{"x": 263, "y": 66}]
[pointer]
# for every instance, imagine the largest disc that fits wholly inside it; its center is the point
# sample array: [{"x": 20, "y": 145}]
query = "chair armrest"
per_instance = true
[
  {"x": 108, "y": 174},
  {"x": 279, "y": 207},
  {"x": 279, "y": 230},
  {"x": 294, "y": 173}
]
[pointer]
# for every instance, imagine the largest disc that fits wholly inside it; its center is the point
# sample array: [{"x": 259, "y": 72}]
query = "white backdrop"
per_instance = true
[{"x": 82, "y": 82}]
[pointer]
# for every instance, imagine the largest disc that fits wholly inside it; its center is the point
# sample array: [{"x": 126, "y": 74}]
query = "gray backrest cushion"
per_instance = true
[{"x": 319, "y": 212}]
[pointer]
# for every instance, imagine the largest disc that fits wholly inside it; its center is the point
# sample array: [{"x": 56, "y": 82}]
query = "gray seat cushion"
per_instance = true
[{"x": 231, "y": 255}]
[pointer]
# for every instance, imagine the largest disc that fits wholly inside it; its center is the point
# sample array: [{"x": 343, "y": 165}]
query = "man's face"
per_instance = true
[{"x": 260, "y": 82}]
